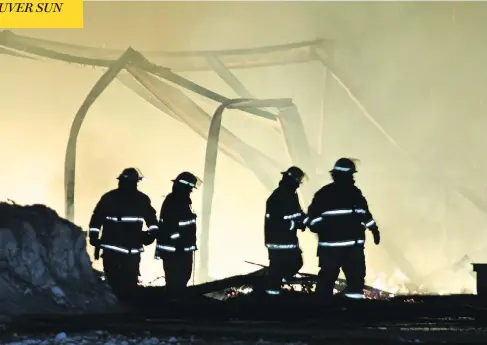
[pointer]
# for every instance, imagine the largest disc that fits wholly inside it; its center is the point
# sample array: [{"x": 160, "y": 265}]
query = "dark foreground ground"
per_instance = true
[{"x": 292, "y": 317}]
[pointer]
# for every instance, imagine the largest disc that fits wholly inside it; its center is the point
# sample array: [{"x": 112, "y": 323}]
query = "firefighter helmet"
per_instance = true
[
  {"x": 131, "y": 174},
  {"x": 188, "y": 179},
  {"x": 296, "y": 174},
  {"x": 346, "y": 165}
]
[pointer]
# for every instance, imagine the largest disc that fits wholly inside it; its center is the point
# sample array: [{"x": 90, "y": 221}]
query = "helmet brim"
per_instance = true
[
  {"x": 196, "y": 185},
  {"x": 304, "y": 178},
  {"x": 351, "y": 171},
  {"x": 122, "y": 178},
  {"x": 140, "y": 176}
]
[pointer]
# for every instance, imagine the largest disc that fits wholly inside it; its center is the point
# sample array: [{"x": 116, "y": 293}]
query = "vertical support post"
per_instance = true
[
  {"x": 70, "y": 158},
  {"x": 210, "y": 169},
  {"x": 209, "y": 187},
  {"x": 481, "y": 270}
]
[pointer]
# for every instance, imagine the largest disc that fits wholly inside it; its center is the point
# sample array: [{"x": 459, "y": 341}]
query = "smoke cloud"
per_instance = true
[{"x": 417, "y": 68}]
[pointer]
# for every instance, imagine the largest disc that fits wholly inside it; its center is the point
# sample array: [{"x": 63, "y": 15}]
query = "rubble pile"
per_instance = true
[{"x": 44, "y": 265}]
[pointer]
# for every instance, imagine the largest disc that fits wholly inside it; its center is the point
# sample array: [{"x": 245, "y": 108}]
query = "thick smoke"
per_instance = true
[{"x": 417, "y": 68}]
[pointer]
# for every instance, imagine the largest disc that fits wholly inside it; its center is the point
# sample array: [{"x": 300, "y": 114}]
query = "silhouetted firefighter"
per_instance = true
[
  {"x": 339, "y": 214},
  {"x": 120, "y": 215},
  {"x": 176, "y": 237},
  {"x": 283, "y": 218}
]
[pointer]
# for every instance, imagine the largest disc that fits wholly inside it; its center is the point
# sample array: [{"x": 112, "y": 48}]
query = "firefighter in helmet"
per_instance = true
[
  {"x": 339, "y": 214},
  {"x": 119, "y": 217},
  {"x": 176, "y": 237},
  {"x": 283, "y": 218}
]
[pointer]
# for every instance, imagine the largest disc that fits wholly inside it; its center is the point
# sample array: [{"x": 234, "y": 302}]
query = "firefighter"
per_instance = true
[
  {"x": 339, "y": 214},
  {"x": 119, "y": 216},
  {"x": 283, "y": 218},
  {"x": 176, "y": 238}
]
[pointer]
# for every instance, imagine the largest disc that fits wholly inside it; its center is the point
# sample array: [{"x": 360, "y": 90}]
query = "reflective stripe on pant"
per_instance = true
[
  {"x": 349, "y": 243},
  {"x": 283, "y": 264},
  {"x": 351, "y": 260},
  {"x": 121, "y": 249},
  {"x": 279, "y": 246},
  {"x": 162, "y": 249},
  {"x": 121, "y": 271},
  {"x": 178, "y": 267}
]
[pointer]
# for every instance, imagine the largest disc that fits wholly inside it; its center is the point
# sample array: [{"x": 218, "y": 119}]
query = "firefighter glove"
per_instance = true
[
  {"x": 147, "y": 238},
  {"x": 97, "y": 253},
  {"x": 301, "y": 226},
  {"x": 94, "y": 241},
  {"x": 376, "y": 235}
]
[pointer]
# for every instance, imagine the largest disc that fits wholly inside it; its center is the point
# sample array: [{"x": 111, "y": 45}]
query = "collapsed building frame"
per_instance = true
[{"x": 151, "y": 82}]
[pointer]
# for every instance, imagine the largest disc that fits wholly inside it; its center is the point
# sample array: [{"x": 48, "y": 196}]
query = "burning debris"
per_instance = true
[
  {"x": 383, "y": 286},
  {"x": 305, "y": 284}
]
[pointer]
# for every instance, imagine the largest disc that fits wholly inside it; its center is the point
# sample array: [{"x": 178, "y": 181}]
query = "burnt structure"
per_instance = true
[{"x": 144, "y": 74}]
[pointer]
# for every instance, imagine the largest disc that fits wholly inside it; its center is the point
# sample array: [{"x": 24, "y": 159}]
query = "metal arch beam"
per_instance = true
[
  {"x": 246, "y": 104},
  {"x": 70, "y": 159},
  {"x": 116, "y": 52},
  {"x": 199, "y": 121},
  {"x": 227, "y": 76},
  {"x": 11, "y": 41},
  {"x": 291, "y": 127},
  {"x": 187, "y": 60},
  {"x": 14, "y": 53},
  {"x": 210, "y": 166},
  {"x": 166, "y": 74},
  {"x": 128, "y": 81}
]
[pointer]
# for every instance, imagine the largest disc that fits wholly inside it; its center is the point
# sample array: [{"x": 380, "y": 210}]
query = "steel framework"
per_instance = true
[{"x": 149, "y": 80}]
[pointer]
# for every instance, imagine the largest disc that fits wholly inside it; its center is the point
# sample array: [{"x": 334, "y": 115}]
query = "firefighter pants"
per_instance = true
[
  {"x": 121, "y": 271},
  {"x": 283, "y": 264},
  {"x": 350, "y": 259},
  {"x": 178, "y": 267}
]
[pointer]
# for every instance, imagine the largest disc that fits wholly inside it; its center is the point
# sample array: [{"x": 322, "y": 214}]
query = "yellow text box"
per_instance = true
[{"x": 45, "y": 14}]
